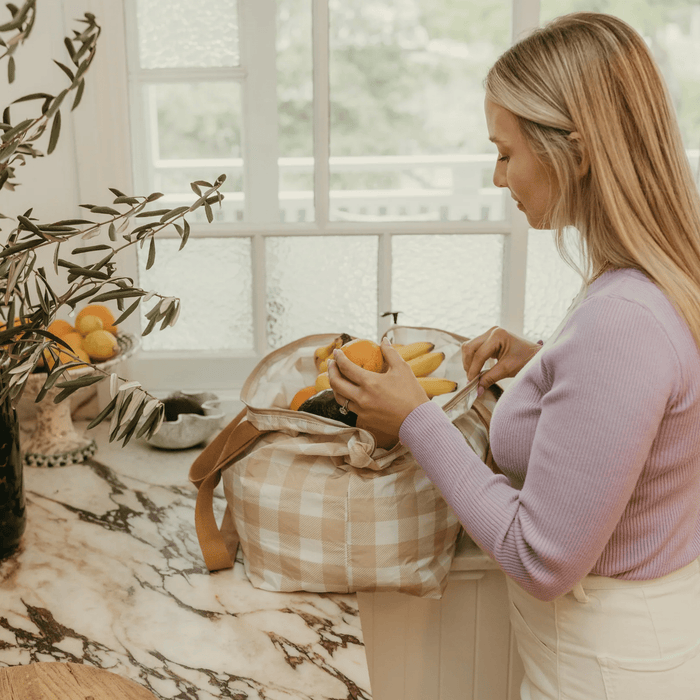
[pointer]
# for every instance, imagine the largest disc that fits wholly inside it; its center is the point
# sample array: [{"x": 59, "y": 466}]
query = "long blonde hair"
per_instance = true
[{"x": 590, "y": 99}]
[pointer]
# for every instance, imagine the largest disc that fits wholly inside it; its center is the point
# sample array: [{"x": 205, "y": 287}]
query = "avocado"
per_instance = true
[
  {"x": 324, "y": 404},
  {"x": 178, "y": 403}
]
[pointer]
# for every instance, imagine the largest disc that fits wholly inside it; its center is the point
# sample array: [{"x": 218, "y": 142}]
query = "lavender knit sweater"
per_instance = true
[{"x": 599, "y": 440}]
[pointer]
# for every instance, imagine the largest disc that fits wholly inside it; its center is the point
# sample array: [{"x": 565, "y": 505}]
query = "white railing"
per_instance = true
[{"x": 459, "y": 188}]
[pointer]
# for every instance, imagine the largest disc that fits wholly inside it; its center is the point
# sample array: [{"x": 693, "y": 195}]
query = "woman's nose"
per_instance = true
[{"x": 499, "y": 177}]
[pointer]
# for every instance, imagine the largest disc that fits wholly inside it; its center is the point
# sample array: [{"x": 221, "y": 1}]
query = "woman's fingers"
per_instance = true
[
  {"x": 367, "y": 389},
  {"x": 346, "y": 367},
  {"x": 511, "y": 352},
  {"x": 391, "y": 355},
  {"x": 341, "y": 372},
  {"x": 477, "y": 351}
]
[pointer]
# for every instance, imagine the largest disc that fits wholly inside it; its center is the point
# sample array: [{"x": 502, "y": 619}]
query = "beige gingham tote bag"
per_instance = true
[{"x": 314, "y": 504}]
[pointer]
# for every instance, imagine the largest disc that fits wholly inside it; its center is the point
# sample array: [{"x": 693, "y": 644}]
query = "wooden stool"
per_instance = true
[{"x": 66, "y": 681}]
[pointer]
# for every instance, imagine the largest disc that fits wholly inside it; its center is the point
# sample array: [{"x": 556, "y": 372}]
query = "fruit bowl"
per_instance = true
[
  {"x": 55, "y": 442},
  {"x": 190, "y": 429}
]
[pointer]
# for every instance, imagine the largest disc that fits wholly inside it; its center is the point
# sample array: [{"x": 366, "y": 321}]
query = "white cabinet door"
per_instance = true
[{"x": 457, "y": 648}]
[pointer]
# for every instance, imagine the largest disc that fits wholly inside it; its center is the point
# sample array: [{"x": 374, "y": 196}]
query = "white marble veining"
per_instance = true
[{"x": 110, "y": 574}]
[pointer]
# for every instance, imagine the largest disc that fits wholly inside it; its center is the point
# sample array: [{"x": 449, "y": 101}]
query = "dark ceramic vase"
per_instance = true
[{"x": 12, "y": 505}]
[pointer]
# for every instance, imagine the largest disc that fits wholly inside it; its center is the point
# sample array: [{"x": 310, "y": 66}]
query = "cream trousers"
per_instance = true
[{"x": 610, "y": 639}]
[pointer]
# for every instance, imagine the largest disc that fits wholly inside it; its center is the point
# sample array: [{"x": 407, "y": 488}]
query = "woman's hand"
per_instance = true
[
  {"x": 512, "y": 354},
  {"x": 381, "y": 400}
]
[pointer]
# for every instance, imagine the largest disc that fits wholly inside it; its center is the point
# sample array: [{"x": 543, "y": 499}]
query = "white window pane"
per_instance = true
[
  {"x": 295, "y": 110},
  {"x": 408, "y": 133},
  {"x": 452, "y": 282},
  {"x": 187, "y": 33},
  {"x": 196, "y": 135},
  {"x": 321, "y": 284},
  {"x": 672, "y": 32},
  {"x": 212, "y": 277},
  {"x": 551, "y": 284}
]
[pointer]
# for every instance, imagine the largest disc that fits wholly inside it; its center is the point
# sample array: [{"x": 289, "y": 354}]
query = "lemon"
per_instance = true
[
  {"x": 322, "y": 382},
  {"x": 102, "y": 312},
  {"x": 100, "y": 344},
  {"x": 88, "y": 324},
  {"x": 82, "y": 354}
]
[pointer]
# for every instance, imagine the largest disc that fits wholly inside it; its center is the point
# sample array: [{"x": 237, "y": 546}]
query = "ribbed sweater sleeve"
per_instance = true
[{"x": 607, "y": 383}]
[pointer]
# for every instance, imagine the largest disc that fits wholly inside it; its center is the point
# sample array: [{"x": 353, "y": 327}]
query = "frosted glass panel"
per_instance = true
[
  {"x": 452, "y": 282},
  {"x": 408, "y": 133},
  {"x": 188, "y": 33},
  {"x": 197, "y": 136},
  {"x": 551, "y": 284},
  {"x": 321, "y": 284},
  {"x": 213, "y": 279}
]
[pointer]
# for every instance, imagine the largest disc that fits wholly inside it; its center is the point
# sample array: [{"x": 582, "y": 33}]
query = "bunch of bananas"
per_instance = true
[
  {"x": 420, "y": 356},
  {"x": 424, "y": 361}
]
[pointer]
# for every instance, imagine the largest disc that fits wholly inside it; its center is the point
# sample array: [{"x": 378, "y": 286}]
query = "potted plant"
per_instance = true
[{"x": 29, "y": 303}]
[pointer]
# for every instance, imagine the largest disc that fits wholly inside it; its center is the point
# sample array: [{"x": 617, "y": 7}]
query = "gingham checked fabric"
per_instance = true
[{"x": 317, "y": 507}]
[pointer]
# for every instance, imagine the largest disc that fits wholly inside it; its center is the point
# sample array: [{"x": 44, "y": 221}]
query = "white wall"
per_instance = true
[
  {"x": 93, "y": 152},
  {"x": 47, "y": 184},
  {"x": 52, "y": 184}
]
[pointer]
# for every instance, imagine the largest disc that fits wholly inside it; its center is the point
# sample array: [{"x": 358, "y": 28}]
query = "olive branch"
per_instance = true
[{"x": 28, "y": 303}]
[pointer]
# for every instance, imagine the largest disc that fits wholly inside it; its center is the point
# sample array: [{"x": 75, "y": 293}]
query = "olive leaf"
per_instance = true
[
  {"x": 80, "y": 382},
  {"x": 105, "y": 413},
  {"x": 55, "y": 132},
  {"x": 151, "y": 254}
]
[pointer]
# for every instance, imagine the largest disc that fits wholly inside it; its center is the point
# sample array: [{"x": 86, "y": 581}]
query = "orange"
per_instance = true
[
  {"x": 17, "y": 322},
  {"x": 306, "y": 393},
  {"x": 74, "y": 339},
  {"x": 60, "y": 328},
  {"x": 100, "y": 345},
  {"x": 89, "y": 323},
  {"x": 102, "y": 312},
  {"x": 65, "y": 358},
  {"x": 365, "y": 353}
]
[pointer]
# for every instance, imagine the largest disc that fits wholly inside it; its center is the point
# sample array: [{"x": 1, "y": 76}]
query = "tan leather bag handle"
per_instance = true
[{"x": 205, "y": 474}]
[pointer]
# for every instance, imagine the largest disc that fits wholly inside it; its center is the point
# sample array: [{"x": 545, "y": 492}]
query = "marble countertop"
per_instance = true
[{"x": 110, "y": 574}]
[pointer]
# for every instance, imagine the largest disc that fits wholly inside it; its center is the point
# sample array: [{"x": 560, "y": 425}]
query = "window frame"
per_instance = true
[{"x": 114, "y": 111}]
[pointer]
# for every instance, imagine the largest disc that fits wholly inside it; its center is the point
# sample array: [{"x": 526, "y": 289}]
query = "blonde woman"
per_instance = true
[{"x": 596, "y": 517}]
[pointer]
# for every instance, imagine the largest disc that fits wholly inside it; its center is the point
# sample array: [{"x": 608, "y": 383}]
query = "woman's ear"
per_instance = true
[{"x": 584, "y": 165}]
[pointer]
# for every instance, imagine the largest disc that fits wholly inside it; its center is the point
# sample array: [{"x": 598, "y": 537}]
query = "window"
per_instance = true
[{"x": 358, "y": 167}]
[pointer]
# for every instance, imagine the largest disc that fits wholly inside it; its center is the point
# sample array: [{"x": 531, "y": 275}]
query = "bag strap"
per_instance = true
[{"x": 205, "y": 474}]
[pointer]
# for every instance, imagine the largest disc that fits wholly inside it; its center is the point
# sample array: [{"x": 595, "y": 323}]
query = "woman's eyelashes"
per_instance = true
[{"x": 503, "y": 159}]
